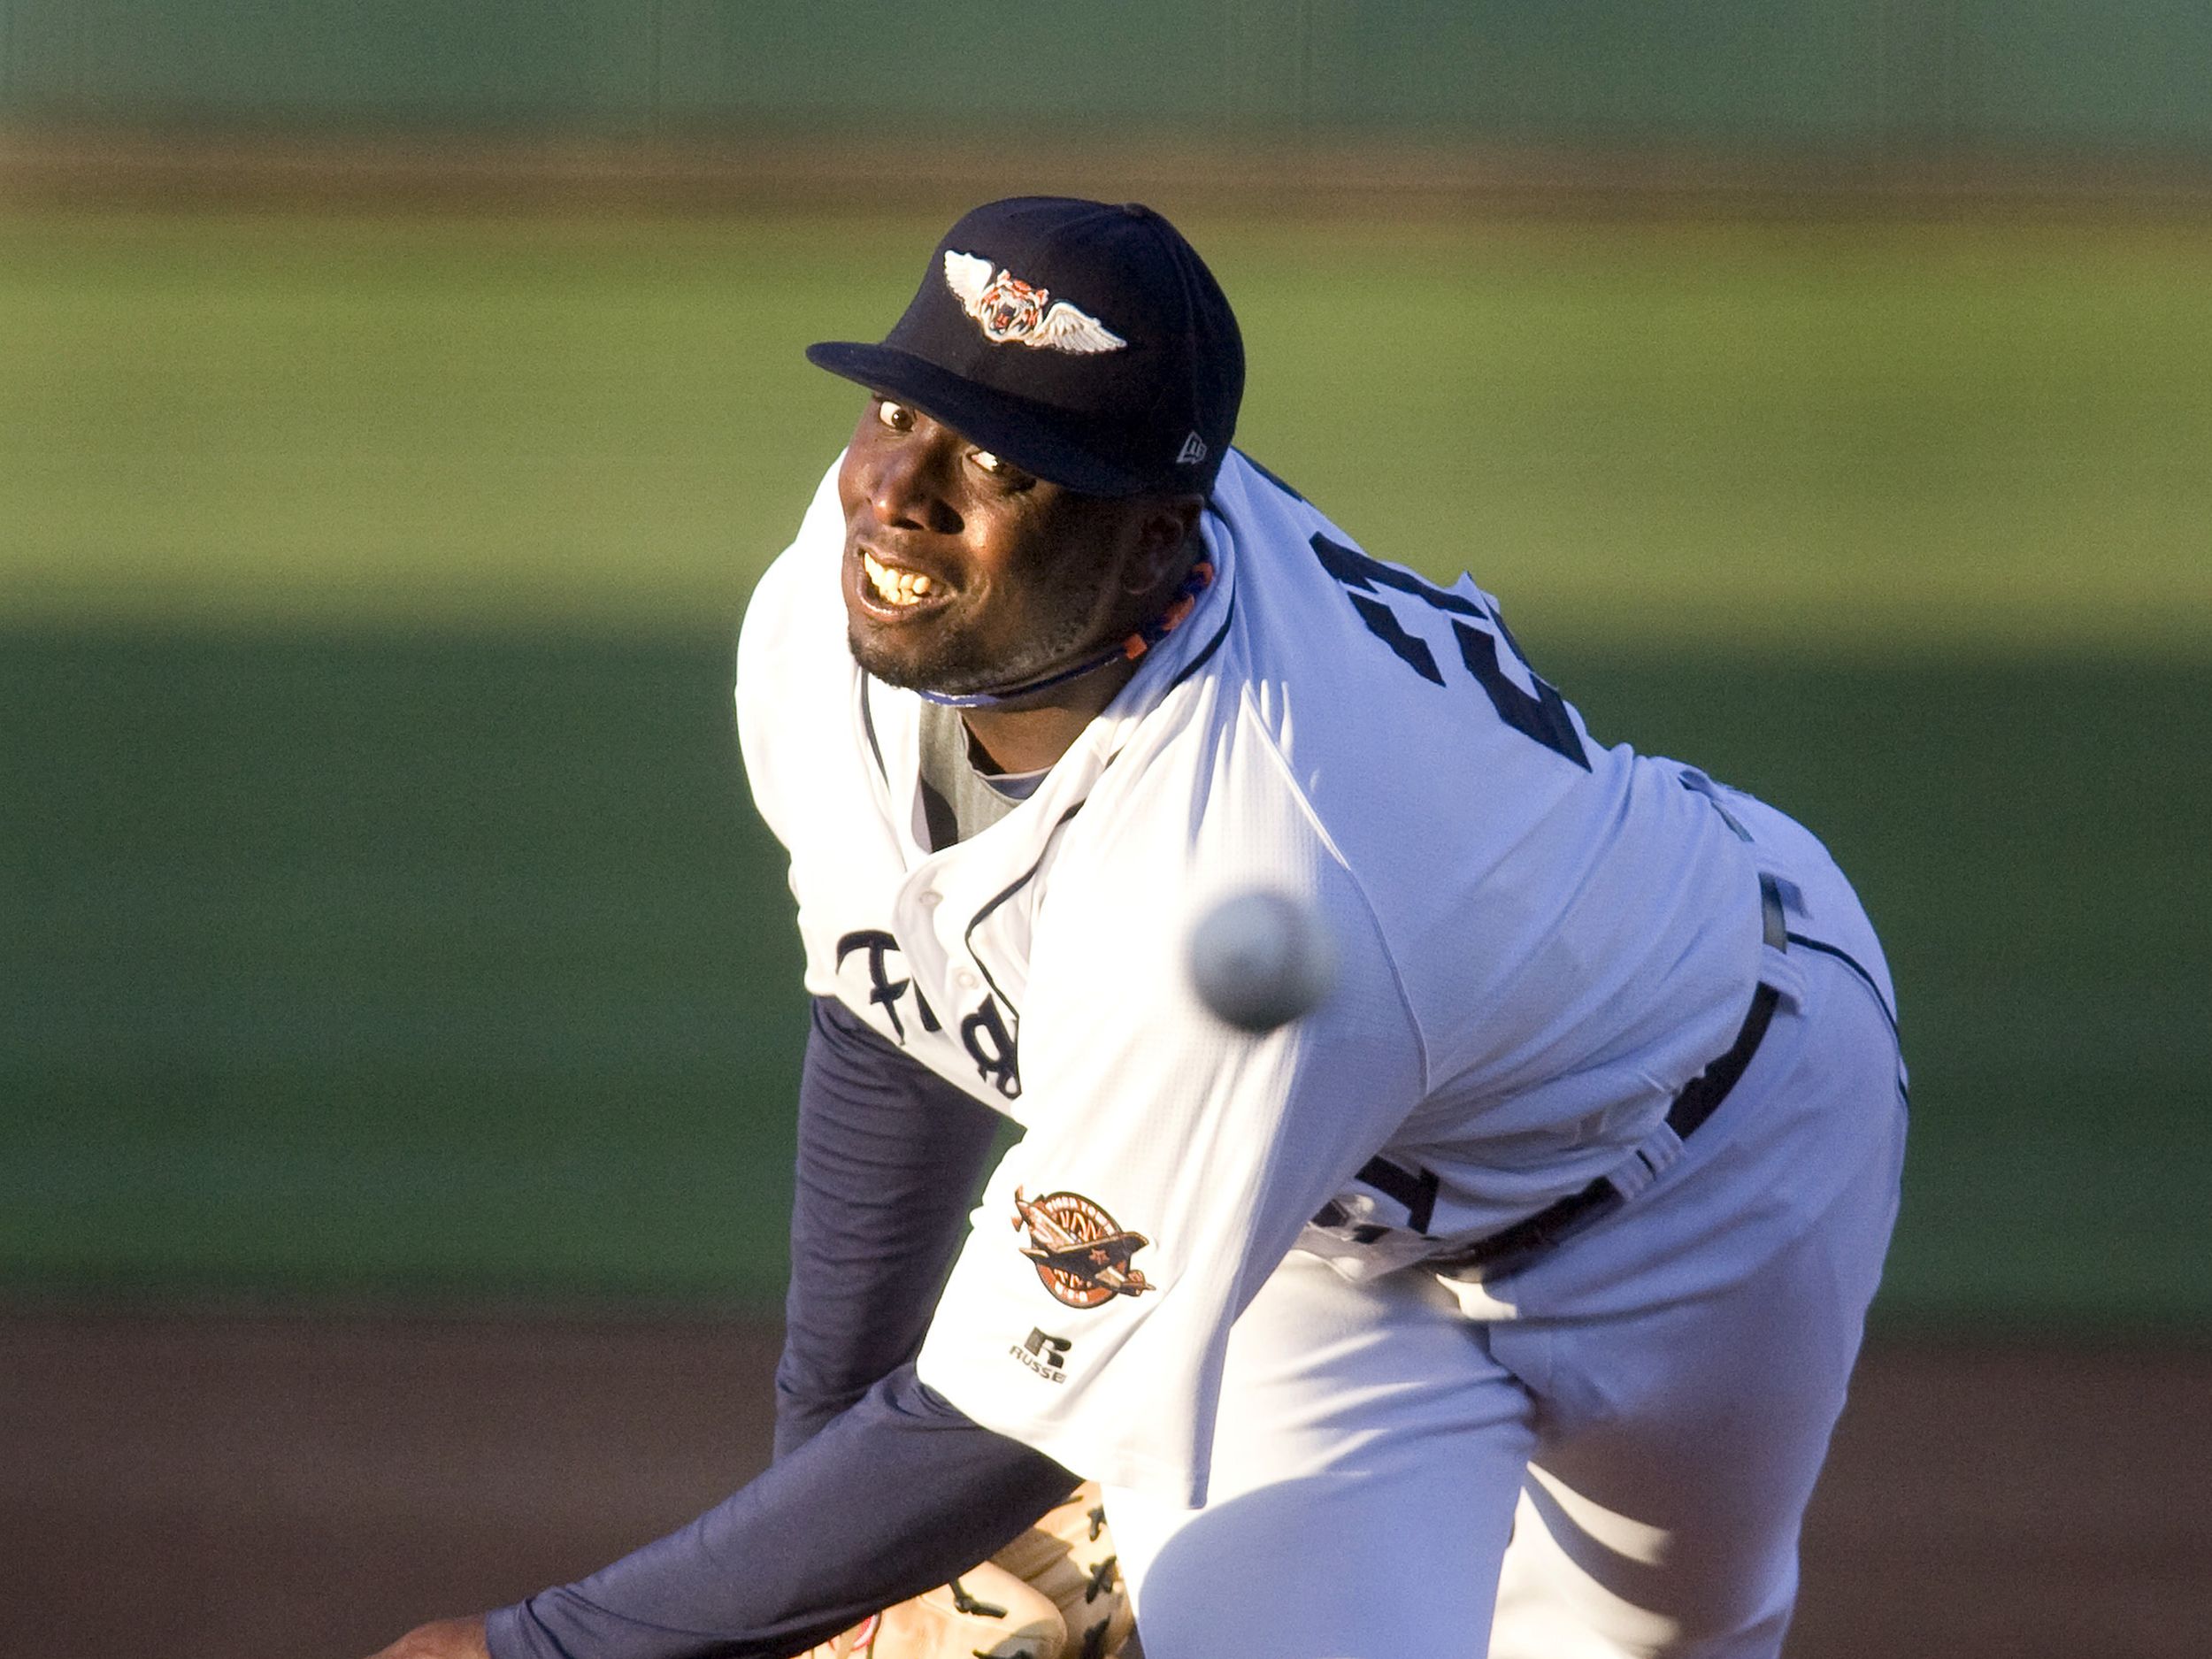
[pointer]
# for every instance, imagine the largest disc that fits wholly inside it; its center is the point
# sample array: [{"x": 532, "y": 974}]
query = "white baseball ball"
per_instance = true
[{"x": 1260, "y": 958}]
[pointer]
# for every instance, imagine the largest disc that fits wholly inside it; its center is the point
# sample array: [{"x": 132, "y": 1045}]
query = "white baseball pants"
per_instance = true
[{"x": 1612, "y": 1458}]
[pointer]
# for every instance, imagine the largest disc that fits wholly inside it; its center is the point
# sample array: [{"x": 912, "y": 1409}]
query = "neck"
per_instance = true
[
  {"x": 1026, "y": 732},
  {"x": 1029, "y": 739}
]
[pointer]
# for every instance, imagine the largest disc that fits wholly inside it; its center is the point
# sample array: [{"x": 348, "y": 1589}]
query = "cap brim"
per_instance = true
[{"x": 1027, "y": 434}]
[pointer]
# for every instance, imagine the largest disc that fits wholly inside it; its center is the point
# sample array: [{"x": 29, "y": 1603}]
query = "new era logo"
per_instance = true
[{"x": 1193, "y": 452}]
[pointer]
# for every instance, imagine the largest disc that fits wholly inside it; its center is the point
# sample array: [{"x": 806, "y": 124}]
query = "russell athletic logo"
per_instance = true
[
  {"x": 1081, "y": 1253},
  {"x": 1043, "y": 1353},
  {"x": 1010, "y": 311}
]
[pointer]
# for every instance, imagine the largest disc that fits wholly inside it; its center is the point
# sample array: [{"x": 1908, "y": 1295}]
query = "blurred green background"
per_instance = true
[{"x": 380, "y": 909}]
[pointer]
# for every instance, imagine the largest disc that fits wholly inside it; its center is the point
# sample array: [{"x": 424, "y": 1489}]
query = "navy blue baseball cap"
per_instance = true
[{"x": 1087, "y": 342}]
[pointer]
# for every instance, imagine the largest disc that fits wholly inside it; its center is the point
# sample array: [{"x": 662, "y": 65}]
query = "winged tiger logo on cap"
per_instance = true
[{"x": 1010, "y": 309}]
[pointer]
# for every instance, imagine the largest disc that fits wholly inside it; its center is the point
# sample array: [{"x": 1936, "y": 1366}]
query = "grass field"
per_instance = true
[
  {"x": 379, "y": 908},
  {"x": 1852, "y": 439}
]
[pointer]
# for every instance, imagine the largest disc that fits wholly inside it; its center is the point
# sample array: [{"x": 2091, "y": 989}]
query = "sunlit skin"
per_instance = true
[
  {"x": 1003, "y": 576},
  {"x": 444, "y": 1639}
]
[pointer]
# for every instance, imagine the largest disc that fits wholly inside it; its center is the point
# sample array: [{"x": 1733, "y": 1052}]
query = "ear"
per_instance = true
[{"x": 1166, "y": 531}]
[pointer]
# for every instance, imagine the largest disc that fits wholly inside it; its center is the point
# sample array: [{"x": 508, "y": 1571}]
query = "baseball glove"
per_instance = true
[{"x": 1054, "y": 1593}]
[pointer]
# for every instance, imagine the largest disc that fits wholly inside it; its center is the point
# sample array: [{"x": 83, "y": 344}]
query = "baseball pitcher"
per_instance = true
[{"x": 1502, "y": 1303}]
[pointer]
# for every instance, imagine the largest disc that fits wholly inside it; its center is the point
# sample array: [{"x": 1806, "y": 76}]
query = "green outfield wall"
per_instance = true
[
  {"x": 363, "y": 962},
  {"x": 1875, "y": 76}
]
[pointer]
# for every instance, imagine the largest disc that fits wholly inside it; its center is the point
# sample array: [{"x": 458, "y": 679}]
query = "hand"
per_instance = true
[{"x": 443, "y": 1639}]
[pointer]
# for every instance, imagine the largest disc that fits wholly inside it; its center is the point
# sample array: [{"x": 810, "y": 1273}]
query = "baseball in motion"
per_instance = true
[{"x": 1261, "y": 958}]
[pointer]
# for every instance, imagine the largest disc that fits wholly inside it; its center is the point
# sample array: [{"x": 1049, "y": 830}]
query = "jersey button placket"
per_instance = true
[{"x": 915, "y": 918}]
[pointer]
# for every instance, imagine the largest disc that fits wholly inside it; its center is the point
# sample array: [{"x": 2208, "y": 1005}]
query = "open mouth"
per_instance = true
[{"x": 901, "y": 590}]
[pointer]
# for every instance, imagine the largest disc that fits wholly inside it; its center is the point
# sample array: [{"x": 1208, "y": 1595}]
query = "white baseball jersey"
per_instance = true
[{"x": 1541, "y": 939}]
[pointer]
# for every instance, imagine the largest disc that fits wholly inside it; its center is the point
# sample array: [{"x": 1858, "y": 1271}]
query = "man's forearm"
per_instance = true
[{"x": 896, "y": 1497}]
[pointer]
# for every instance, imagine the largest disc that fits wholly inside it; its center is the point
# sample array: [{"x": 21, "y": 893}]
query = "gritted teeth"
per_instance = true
[{"x": 895, "y": 587}]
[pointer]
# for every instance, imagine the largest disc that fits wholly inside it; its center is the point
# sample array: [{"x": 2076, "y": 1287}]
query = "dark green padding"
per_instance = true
[{"x": 366, "y": 964}]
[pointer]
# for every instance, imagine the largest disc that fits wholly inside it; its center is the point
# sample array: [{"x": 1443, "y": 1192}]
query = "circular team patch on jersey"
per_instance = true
[{"x": 1080, "y": 1252}]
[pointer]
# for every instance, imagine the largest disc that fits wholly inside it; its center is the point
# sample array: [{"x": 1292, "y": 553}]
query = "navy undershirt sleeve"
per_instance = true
[
  {"x": 880, "y": 1488},
  {"x": 893, "y": 1498},
  {"x": 889, "y": 1157}
]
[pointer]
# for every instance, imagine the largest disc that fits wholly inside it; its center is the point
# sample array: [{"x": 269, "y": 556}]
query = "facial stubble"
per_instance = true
[{"x": 953, "y": 663}]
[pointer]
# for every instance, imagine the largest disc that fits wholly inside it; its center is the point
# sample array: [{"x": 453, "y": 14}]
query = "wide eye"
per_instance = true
[{"x": 898, "y": 417}]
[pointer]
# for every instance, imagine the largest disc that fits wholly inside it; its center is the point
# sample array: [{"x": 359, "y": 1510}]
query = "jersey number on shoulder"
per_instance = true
[{"x": 1542, "y": 716}]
